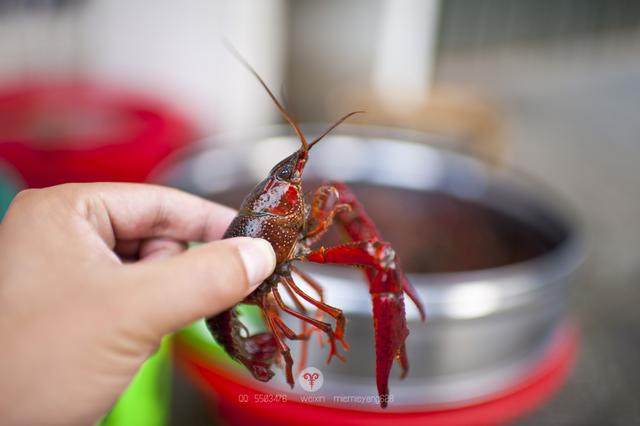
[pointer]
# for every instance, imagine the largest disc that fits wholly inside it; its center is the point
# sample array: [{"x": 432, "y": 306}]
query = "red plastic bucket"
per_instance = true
[
  {"x": 241, "y": 401},
  {"x": 57, "y": 132}
]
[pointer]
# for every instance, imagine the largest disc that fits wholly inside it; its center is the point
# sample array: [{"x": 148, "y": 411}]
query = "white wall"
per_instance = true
[{"x": 170, "y": 48}]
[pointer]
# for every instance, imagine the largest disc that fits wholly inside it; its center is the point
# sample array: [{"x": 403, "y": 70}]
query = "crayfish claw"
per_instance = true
[
  {"x": 403, "y": 361},
  {"x": 390, "y": 329}
]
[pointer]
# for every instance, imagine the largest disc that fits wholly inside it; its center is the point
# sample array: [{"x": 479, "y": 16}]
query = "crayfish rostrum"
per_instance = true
[{"x": 276, "y": 211}]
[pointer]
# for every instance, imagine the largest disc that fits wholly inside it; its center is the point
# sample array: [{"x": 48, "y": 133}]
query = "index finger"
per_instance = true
[{"x": 127, "y": 211}]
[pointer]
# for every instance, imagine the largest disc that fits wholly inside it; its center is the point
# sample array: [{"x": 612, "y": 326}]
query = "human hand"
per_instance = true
[{"x": 92, "y": 276}]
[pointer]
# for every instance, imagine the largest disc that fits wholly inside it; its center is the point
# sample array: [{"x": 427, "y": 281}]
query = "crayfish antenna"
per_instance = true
[
  {"x": 281, "y": 109},
  {"x": 336, "y": 124}
]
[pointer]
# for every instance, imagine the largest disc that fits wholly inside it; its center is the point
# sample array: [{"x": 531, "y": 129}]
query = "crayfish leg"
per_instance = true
[
  {"x": 304, "y": 347},
  {"x": 309, "y": 280},
  {"x": 324, "y": 207},
  {"x": 319, "y": 314},
  {"x": 333, "y": 312},
  {"x": 323, "y": 326},
  {"x": 276, "y": 328}
]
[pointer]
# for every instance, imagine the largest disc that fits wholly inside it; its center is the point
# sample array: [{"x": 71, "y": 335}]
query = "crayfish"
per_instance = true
[{"x": 276, "y": 210}]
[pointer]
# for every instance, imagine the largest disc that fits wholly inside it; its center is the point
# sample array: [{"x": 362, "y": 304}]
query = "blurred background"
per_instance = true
[{"x": 97, "y": 90}]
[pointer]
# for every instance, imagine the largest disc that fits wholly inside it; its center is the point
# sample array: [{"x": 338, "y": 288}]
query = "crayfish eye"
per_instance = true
[{"x": 285, "y": 172}]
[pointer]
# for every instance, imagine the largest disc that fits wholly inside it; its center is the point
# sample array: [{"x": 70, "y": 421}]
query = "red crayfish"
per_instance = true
[{"x": 276, "y": 211}]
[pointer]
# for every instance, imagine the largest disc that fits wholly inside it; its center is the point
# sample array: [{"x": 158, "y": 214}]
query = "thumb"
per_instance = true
[{"x": 170, "y": 293}]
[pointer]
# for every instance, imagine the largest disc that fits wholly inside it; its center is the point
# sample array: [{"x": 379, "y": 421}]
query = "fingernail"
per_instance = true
[{"x": 259, "y": 260}]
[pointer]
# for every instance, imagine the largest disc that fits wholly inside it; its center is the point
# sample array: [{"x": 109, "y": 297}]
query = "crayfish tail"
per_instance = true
[
  {"x": 256, "y": 352},
  {"x": 258, "y": 355}
]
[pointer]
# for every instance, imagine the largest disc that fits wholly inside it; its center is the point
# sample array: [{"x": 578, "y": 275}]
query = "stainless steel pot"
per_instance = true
[{"x": 487, "y": 327}]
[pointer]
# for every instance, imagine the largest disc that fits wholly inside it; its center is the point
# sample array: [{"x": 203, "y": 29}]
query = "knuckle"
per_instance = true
[
  {"x": 66, "y": 197},
  {"x": 76, "y": 197},
  {"x": 24, "y": 196},
  {"x": 24, "y": 201},
  {"x": 66, "y": 190}
]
